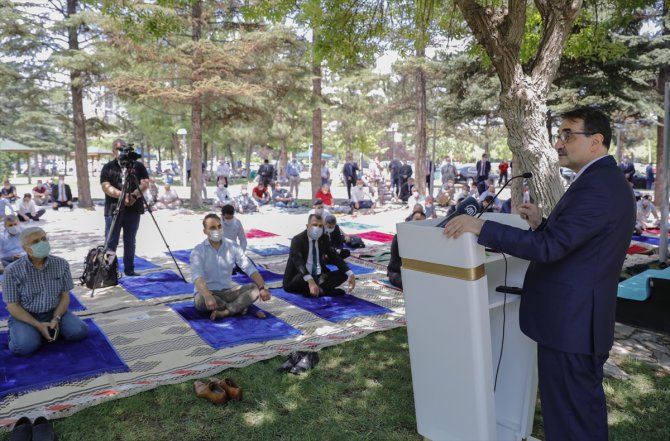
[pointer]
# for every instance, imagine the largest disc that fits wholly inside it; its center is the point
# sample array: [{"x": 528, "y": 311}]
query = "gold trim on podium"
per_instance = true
[{"x": 438, "y": 269}]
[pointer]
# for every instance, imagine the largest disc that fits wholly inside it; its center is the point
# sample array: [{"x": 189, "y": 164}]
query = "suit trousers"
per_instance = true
[
  {"x": 327, "y": 281},
  {"x": 571, "y": 395}
]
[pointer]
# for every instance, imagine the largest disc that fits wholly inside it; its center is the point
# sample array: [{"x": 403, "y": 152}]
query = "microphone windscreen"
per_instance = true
[
  {"x": 469, "y": 206},
  {"x": 527, "y": 175}
]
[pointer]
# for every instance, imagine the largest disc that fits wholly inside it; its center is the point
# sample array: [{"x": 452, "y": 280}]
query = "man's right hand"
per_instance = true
[
  {"x": 43, "y": 327},
  {"x": 531, "y": 214},
  {"x": 314, "y": 289},
  {"x": 210, "y": 302}
]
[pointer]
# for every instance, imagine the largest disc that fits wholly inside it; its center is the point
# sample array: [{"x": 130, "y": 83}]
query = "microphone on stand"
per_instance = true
[
  {"x": 468, "y": 206},
  {"x": 526, "y": 175}
]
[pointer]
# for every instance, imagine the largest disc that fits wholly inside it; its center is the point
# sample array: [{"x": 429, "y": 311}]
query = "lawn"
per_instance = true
[{"x": 361, "y": 390}]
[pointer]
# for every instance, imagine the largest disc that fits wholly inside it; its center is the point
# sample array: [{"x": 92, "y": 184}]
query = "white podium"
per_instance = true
[{"x": 455, "y": 330}]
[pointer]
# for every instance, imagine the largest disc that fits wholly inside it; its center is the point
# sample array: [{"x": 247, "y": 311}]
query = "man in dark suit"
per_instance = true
[
  {"x": 483, "y": 171},
  {"x": 569, "y": 293},
  {"x": 336, "y": 236},
  {"x": 61, "y": 194},
  {"x": 350, "y": 175},
  {"x": 306, "y": 272},
  {"x": 628, "y": 169}
]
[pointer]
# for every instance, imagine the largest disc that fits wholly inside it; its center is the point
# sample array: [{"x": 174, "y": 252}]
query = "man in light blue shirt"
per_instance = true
[
  {"x": 10, "y": 245},
  {"x": 212, "y": 264}
]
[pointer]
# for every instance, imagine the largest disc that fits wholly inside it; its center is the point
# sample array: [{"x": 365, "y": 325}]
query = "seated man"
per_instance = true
[
  {"x": 40, "y": 193},
  {"x": 10, "y": 244},
  {"x": 8, "y": 192},
  {"x": 361, "y": 197},
  {"x": 223, "y": 197},
  {"x": 429, "y": 208},
  {"x": 245, "y": 203},
  {"x": 168, "y": 199},
  {"x": 406, "y": 189},
  {"x": 281, "y": 198},
  {"x": 28, "y": 210},
  {"x": 645, "y": 211},
  {"x": 416, "y": 198},
  {"x": 260, "y": 194},
  {"x": 306, "y": 271},
  {"x": 36, "y": 290},
  {"x": 496, "y": 203},
  {"x": 393, "y": 268},
  {"x": 61, "y": 195},
  {"x": 318, "y": 208},
  {"x": 212, "y": 264},
  {"x": 325, "y": 195},
  {"x": 336, "y": 236}
]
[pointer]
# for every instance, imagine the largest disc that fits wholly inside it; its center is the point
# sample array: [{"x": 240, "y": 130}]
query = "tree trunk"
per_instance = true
[
  {"x": 316, "y": 127},
  {"x": 176, "y": 150},
  {"x": 420, "y": 147},
  {"x": 78, "y": 121},
  {"x": 283, "y": 161},
  {"x": 196, "y": 114},
  {"x": 232, "y": 159},
  {"x": 524, "y": 113},
  {"x": 247, "y": 160},
  {"x": 663, "y": 77}
]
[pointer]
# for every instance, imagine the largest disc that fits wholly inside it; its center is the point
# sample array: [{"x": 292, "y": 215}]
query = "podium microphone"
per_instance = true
[
  {"x": 526, "y": 175},
  {"x": 468, "y": 206}
]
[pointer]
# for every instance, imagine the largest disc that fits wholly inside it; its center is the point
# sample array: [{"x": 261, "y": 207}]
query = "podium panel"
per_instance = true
[{"x": 455, "y": 326}]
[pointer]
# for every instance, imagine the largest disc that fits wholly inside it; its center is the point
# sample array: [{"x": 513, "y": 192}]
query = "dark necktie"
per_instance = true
[{"x": 314, "y": 257}]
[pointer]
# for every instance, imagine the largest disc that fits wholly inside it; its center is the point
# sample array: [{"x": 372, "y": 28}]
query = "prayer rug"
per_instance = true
[
  {"x": 333, "y": 309},
  {"x": 356, "y": 225},
  {"x": 387, "y": 284},
  {"x": 635, "y": 288},
  {"x": 268, "y": 276},
  {"x": 75, "y": 305},
  {"x": 182, "y": 256},
  {"x": 58, "y": 362},
  {"x": 357, "y": 269},
  {"x": 378, "y": 257},
  {"x": 158, "y": 284},
  {"x": 275, "y": 250},
  {"x": 256, "y": 234},
  {"x": 140, "y": 264},
  {"x": 377, "y": 236},
  {"x": 646, "y": 239},
  {"x": 237, "y": 330},
  {"x": 634, "y": 249}
]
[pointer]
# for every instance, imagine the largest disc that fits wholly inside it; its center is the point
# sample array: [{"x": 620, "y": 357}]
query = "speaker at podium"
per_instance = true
[{"x": 468, "y": 383}]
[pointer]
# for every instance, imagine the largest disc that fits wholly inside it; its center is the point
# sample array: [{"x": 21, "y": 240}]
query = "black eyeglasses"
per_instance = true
[{"x": 566, "y": 135}]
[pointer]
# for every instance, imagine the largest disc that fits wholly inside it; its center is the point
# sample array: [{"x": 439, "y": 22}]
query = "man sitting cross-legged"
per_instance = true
[
  {"x": 212, "y": 264},
  {"x": 36, "y": 290},
  {"x": 306, "y": 272}
]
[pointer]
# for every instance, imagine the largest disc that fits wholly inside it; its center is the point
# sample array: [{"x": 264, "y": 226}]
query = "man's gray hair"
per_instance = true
[
  {"x": 11, "y": 217},
  {"x": 28, "y": 233},
  {"x": 330, "y": 219}
]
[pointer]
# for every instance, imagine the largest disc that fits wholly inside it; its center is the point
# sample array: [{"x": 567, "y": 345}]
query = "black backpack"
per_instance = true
[
  {"x": 356, "y": 242},
  {"x": 109, "y": 271}
]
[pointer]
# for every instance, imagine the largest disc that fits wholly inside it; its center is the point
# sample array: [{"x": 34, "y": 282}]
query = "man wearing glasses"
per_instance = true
[{"x": 569, "y": 292}]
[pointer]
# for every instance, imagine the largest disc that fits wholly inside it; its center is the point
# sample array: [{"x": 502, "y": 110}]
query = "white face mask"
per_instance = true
[
  {"x": 244, "y": 192},
  {"x": 359, "y": 185},
  {"x": 215, "y": 235},
  {"x": 229, "y": 221},
  {"x": 329, "y": 230},
  {"x": 415, "y": 194},
  {"x": 14, "y": 230},
  {"x": 314, "y": 232}
]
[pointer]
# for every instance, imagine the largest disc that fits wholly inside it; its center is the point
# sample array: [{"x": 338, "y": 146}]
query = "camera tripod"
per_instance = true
[{"x": 128, "y": 177}]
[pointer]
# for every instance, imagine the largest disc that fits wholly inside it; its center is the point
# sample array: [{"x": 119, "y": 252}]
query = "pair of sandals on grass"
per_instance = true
[{"x": 39, "y": 430}]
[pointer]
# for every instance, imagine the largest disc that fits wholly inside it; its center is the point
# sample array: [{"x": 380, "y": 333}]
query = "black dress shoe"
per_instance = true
[
  {"x": 306, "y": 363},
  {"x": 43, "y": 430},
  {"x": 22, "y": 431},
  {"x": 293, "y": 359},
  {"x": 337, "y": 292}
]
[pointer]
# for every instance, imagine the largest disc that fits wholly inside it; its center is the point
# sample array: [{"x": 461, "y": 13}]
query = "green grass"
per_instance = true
[{"x": 361, "y": 390}]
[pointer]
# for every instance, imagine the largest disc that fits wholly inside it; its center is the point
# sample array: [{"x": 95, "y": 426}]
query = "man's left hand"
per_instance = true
[
  {"x": 265, "y": 294},
  {"x": 352, "y": 282},
  {"x": 463, "y": 224}
]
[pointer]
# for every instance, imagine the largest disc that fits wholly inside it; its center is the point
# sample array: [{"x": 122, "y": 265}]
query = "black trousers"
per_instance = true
[
  {"x": 349, "y": 184},
  {"x": 327, "y": 281},
  {"x": 395, "y": 278}
]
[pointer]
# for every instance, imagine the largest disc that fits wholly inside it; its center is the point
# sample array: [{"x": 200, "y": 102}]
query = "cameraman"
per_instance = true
[{"x": 129, "y": 216}]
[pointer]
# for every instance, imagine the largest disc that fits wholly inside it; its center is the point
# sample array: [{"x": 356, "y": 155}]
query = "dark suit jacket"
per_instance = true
[
  {"x": 299, "y": 252},
  {"x": 628, "y": 170},
  {"x": 336, "y": 238},
  {"x": 349, "y": 172},
  {"x": 570, "y": 289},
  {"x": 54, "y": 193},
  {"x": 487, "y": 168},
  {"x": 406, "y": 170}
]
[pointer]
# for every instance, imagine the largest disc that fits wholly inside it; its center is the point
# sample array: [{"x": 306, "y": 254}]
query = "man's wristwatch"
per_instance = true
[
  {"x": 57, "y": 317},
  {"x": 260, "y": 288}
]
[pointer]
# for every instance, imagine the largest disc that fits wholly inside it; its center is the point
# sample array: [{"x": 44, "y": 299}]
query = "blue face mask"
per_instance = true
[{"x": 41, "y": 249}]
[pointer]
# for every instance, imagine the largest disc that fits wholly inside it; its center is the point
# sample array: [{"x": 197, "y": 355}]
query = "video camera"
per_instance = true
[{"x": 127, "y": 156}]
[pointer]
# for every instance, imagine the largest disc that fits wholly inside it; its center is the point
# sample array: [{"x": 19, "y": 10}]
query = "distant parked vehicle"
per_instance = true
[{"x": 468, "y": 173}]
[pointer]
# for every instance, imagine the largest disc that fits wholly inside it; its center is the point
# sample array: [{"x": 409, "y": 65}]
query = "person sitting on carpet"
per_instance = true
[
  {"x": 212, "y": 264},
  {"x": 361, "y": 196},
  {"x": 429, "y": 207},
  {"x": 223, "y": 197},
  {"x": 168, "y": 199},
  {"x": 261, "y": 194},
  {"x": 28, "y": 210},
  {"x": 61, "y": 194},
  {"x": 244, "y": 203},
  {"x": 325, "y": 195},
  {"x": 406, "y": 189},
  {"x": 318, "y": 208},
  {"x": 393, "y": 268},
  {"x": 36, "y": 289},
  {"x": 646, "y": 210},
  {"x": 306, "y": 271},
  {"x": 10, "y": 243},
  {"x": 40, "y": 193},
  {"x": 336, "y": 236},
  {"x": 281, "y": 198}
]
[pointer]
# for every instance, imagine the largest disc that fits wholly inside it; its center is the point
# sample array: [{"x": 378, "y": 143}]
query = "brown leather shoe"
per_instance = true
[
  {"x": 211, "y": 391},
  {"x": 233, "y": 391}
]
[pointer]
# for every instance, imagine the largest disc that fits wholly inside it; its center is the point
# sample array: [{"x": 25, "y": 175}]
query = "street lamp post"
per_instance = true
[{"x": 184, "y": 150}]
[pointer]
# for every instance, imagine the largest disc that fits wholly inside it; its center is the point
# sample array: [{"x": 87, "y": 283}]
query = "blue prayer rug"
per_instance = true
[
  {"x": 236, "y": 330},
  {"x": 267, "y": 275},
  {"x": 75, "y": 305},
  {"x": 356, "y": 269},
  {"x": 182, "y": 256},
  {"x": 275, "y": 250},
  {"x": 356, "y": 225},
  {"x": 58, "y": 362},
  {"x": 333, "y": 309},
  {"x": 158, "y": 284},
  {"x": 140, "y": 264}
]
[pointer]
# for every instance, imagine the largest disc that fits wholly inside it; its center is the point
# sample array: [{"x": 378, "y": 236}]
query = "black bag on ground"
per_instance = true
[
  {"x": 109, "y": 271},
  {"x": 356, "y": 242}
]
